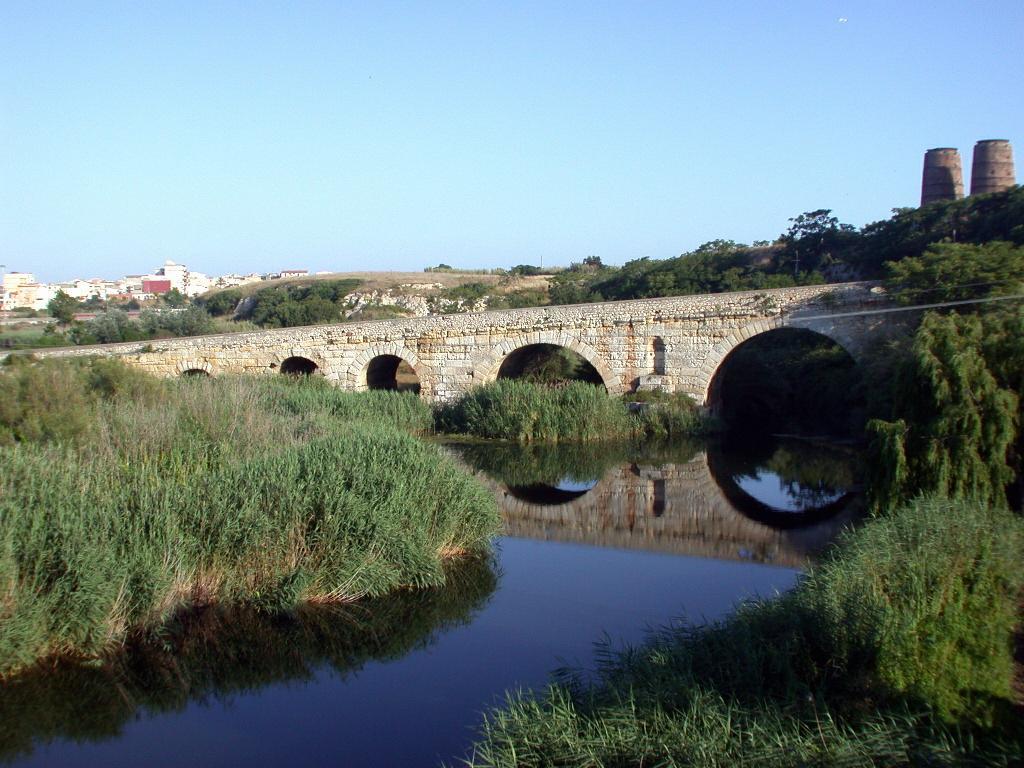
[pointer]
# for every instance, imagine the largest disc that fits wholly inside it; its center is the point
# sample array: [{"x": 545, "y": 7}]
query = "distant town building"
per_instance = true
[
  {"x": 294, "y": 273},
  {"x": 229, "y": 281},
  {"x": 156, "y": 286},
  {"x": 13, "y": 289}
]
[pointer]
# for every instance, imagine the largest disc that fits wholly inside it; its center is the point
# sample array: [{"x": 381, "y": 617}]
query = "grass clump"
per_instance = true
[
  {"x": 508, "y": 409},
  {"x": 126, "y": 501},
  {"x": 403, "y": 410},
  {"x": 670, "y": 416},
  {"x": 527, "y": 412},
  {"x": 895, "y": 651}
]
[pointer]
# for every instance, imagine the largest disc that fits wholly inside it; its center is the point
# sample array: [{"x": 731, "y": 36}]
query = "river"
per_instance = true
[{"x": 600, "y": 545}]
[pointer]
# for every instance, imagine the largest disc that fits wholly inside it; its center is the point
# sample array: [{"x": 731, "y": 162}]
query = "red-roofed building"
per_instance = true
[{"x": 156, "y": 286}]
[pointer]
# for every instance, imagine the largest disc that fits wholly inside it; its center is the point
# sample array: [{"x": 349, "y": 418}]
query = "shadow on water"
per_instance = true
[
  {"x": 217, "y": 653},
  {"x": 765, "y": 501}
]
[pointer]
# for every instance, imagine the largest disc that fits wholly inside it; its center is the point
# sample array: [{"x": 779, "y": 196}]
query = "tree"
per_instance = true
[
  {"x": 956, "y": 271},
  {"x": 175, "y": 298},
  {"x": 107, "y": 327},
  {"x": 222, "y": 302},
  {"x": 954, "y": 424},
  {"x": 193, "y": 321},
  {"x": 524, "y": 270},
  {"x": 63, "y": 307},
  {"x": 816, "y": 239}
]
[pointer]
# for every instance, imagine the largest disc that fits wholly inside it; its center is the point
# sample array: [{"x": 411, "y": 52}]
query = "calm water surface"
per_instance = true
[{"x": 606, "y": 545}]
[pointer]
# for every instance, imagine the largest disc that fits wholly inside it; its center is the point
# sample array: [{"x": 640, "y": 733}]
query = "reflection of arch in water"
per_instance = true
[
  {"x": 755, "y": 509},
  {"x": 544, "y": 494},
  {"x": 677, "y": 508}
]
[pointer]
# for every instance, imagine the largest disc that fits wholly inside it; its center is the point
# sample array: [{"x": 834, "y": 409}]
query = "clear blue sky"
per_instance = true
[{"x": 259, "y": 136}]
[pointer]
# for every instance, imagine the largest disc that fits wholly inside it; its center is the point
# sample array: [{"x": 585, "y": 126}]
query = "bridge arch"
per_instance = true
[
  {"x": 194, "y": 368},
  {"x": 376, "y": 358},
  {"x": 486, "y": 367},
  {"x": 712, "y": 365},
  {"x": 298, "y": 361}
]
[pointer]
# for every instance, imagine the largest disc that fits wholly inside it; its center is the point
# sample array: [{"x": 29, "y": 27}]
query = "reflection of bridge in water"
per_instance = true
[{"x": 672, "y": 508}]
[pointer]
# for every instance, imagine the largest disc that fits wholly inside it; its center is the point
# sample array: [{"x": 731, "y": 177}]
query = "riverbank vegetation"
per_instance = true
[
  {"x": 126, "y": 501},
  {"x": 896, "y": 650},
  {"x": 528, "y": 412}
]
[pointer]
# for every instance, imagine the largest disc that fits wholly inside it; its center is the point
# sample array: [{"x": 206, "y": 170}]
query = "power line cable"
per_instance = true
[{"x": 915, "y": 307}]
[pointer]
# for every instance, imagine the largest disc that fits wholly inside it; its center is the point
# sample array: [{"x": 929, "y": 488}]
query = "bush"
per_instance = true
[
  {"x": 525, "y": 411},
  {"x": 508, "y": 409},
  {"x": 669, "y": 416},
  {"x": 292, "y": 304}
]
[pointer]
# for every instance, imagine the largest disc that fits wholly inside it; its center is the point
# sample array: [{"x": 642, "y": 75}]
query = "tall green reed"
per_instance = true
[{"x": 168, "y": 495}]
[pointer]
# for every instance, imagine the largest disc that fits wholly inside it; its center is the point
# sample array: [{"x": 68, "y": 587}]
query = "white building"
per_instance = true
[
  {"x": 177, "y": 274},
  {"x": 83, "y": 290},
  {"x": 198, "y": 283},
  {"x": 228, "y": 281},
  {"x": 26, "y": 295},
  {"x": 12, "y": 280},
  {"x": 184, "y": 280}
]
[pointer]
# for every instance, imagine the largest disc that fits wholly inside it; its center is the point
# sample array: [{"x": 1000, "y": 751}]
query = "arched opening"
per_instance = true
[
  {"x": 548, "y": 364},
  {"x": 298, "y": 366},
  {"x": 660, "y": 363},
  {"x": 391, "y": 372},
  {"x": 195, "y": 373},
  {"x": 789, "y": 381}
]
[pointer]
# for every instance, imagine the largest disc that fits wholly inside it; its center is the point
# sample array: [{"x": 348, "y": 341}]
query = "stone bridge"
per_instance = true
[{"x": 675, "y": 344}]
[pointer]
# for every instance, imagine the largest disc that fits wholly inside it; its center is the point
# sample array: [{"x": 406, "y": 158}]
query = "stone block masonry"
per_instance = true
[{"x": 676, "y": 342}]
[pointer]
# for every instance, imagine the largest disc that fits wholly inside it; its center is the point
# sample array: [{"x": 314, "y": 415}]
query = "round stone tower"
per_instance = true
[
  {"x": 943, "y": 178},
  {"x": 992, "y": 169}
]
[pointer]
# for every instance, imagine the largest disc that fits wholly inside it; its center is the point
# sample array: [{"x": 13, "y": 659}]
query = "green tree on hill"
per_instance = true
[{"x": 63, "y": 307}]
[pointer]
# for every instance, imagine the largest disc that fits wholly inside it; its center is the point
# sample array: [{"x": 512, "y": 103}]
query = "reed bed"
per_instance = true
[
  {"x": 125, "y": 501},
  {"x": 897, "y": 650},
  {"x": 510, "y": 409}
]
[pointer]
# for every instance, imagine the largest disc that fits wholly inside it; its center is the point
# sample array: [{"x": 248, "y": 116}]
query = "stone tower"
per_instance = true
[
  {"x": 992, "y": 169},
  {"x": 943, "y": 178}
]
